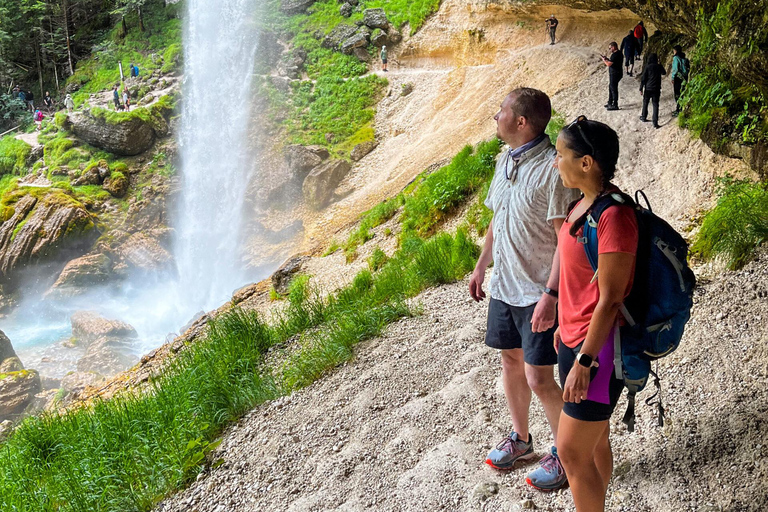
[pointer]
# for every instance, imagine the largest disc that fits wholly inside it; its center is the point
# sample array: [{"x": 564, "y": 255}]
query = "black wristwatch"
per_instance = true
[
  {"x": 586, "y": 360},
  {"x": 550, "y": 291}
]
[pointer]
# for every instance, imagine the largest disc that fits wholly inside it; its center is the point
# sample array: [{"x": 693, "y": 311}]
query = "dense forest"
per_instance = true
[{"x": 41, "y": 41}]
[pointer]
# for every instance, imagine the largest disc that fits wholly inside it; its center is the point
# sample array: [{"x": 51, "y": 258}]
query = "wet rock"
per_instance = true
[
  {"x": 17, "y": 391},
  {"x": 302, "y": 159},
  {"x": 319, "y": 184},
  {"x": 88, "y": 326},
  {"x": 340, "y": 33},
  {"x": 43, "y": 229},
  {"x": 295, "y": 6},
  {"x": 282, "y": 278},
  {"x": 11, "y": 364},
  {"x": 375, "y": 18},
  {"x": 108, "y": 355},
  {"x": 131, "y": 136},
  {"x": 145, "y": 253},
  {"x": 6, "y": 349},
  {"x": 362, "y": 149},
  {"x": 80, "y": 274},
  {"x": 75, "y": 381}
]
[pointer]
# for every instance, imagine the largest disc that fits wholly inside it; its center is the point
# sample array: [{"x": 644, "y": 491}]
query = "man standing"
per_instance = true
[
  {"x": 552, "y": 23},
  {"x": 116, "y": 97},
  {"x": 383, "y": 58},
  {"x": 629, "y": 47},
  {"x": 680, "y": 70},
  {"x": 615, "y": 75},
  {"x": 650, "y": 88},
  {"x": 529, "y": 203},
  {"x": 641, "y": 35}
]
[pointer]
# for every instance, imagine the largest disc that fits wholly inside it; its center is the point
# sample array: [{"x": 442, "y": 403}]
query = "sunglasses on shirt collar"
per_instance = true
[{"x": 578, "y": 122}]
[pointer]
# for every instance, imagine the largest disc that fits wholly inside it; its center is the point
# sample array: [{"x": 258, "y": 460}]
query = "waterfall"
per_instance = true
[{"x": 219, "y": 52}]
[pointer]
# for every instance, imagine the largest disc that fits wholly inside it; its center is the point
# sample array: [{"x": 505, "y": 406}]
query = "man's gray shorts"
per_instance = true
[{"x": 509, "y": 327}]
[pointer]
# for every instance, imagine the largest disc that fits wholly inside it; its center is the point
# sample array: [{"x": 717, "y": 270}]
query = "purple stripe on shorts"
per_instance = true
[{"x": 599, "y": 388}]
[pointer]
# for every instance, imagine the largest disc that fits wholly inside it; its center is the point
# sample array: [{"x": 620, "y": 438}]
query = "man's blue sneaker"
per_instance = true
[
  {"x": 510, "y": 450},
  {"x": 550, "y": 475}
]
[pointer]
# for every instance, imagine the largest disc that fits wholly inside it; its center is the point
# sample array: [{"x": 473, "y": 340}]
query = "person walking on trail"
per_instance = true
[
  {"x": 69, "y": 103},
  {"x": 681, "y": 66},
  {"x": 628, "y": 48},
  {"x": 116, "y": 97},
  {"x": 641, "y": 36},
  {"x": 524, "y": 281},
  {"x": 650, "y": 88},
  {"x": 48, "y": 101},
  {"x": 551, "y": 24},
  {"x": 615, "y": 75},
  {"x": 384, "y": 58},
  {"x": 38, "y": 118},
  {"x": 587, "y": 152},
  {"x": 30, "y": 101},
  {"x": 126, "y": 98}
]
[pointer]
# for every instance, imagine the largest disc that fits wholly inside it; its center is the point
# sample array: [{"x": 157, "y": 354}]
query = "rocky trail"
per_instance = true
[{"x": 406, "y": 425}]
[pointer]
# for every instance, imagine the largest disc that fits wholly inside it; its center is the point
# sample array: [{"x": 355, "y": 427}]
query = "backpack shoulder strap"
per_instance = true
[{"x": 589, "y": 238}]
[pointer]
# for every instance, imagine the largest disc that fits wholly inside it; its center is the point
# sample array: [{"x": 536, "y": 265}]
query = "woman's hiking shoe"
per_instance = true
[
  {"x": 550, "y": 474},
  {"x": 510, "y": 450}
]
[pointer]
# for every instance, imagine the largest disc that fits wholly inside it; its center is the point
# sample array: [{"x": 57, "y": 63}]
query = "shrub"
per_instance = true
[
  {"x": 13, "y": 155},
  {"x": 377, "y": 259}
]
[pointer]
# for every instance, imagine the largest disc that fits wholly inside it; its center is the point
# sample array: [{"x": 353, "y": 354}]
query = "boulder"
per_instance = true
[
  {"x": 145, "y": 253},
  {"x": 93, "y": 175},
  {"x": 6, "y": 349},
  {"x": 339, "y": 34},
  {"x": 394, "y": 36},
  {"x": 108, "y": 355},
  {"x": 375, "y": 18},
  {"x": 88, "y": 326},
  {"x": 129, "y": 136},
  {"x": 319, "y": 184},
  {"x": 362, "y": 149},
  {"x": 362, "y": 54},
  {"x": 281, "y": 83},
  {"x": 11, "y": 364},
  {"x": 358, "y": 40},
  {"x": 346, "y": 10},
  {"x": 282, "y": 278},
  {"x": 379, "y": 38},
  {"x": 17, "y": 392},
  {"x": 302, "y": 159},
  {"x": 79, "y": 274},
  {"x": 117, "y": 185},
  {"x": 44, "y": 228},
  {"x": 291, "y": 7}
]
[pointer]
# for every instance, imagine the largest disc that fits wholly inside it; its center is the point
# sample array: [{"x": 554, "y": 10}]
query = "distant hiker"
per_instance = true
[
  {"x": 615, "y": 75},
  {"x": 551, "y": 24},
  {"x": 126, "y": 98},
  {"x": 524, "y": 281},
  {"x": 69, "y": 103},
  {"x": 133, "y": 71},
  {"x": 650, "y": 88},
  {"x": 384, "y": 58},
  {"x": 30, "y": 101},
  {"x": 681, "y": 67},
  {"x": 38, "y": 117},
  {"x": 48, "y": 101},
  {"x": 587, "y": 152},
  {"x": 116, "y": 97},
  {"x": 629, "y": 48},
  {"x": 22, "y": 97},
  {"x": 641, "y": 36}
]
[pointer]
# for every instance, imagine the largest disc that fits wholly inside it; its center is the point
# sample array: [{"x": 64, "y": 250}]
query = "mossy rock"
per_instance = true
[{"x": 117, "y": 184}]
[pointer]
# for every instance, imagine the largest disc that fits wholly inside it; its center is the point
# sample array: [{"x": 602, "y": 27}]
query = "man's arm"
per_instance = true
[
  {"x": 478, "y": 275},
  {"x": 544, "y": 313}
]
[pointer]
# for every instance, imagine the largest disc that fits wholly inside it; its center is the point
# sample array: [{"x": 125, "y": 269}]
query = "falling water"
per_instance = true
[{"x": 220, "y": 48}]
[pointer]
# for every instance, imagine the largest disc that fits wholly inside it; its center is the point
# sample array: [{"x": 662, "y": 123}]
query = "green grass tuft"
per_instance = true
[{"x": 13, "y": 155}]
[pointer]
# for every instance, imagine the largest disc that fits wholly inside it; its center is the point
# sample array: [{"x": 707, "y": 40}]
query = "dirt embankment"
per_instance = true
[{"x": 406, "y": 425}]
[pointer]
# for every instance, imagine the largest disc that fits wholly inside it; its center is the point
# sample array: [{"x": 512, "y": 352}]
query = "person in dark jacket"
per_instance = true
[
  {"x": 615, "y": 74},
  {"x": 650, "y": 88},
  {"x": 641, "y": 35},
  {"x": 629, "y": 48}
]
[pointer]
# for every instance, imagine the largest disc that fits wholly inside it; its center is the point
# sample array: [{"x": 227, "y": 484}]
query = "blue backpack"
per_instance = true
[{"x": 659, "y": 305}]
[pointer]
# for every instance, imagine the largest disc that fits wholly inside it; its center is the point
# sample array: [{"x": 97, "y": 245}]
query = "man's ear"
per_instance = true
[{"x": 522, "y": 122}]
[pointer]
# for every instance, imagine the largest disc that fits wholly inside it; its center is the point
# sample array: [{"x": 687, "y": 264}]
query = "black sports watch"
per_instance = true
[
  {"x": 586, "y": 360},
  {"x": 550, "y": 291}
]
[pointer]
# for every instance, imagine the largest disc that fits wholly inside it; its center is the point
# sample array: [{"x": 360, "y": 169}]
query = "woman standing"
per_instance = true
[{"x": 589, "y": 302}]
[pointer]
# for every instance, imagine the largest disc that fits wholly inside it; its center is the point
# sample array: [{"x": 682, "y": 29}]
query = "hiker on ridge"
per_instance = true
[
  {"x": 681, "y": 66},
  {"x": 524, "y": 281},
  {"x": 384, "y": 58},
  {"x": 552, "y": 23},
  {"x": 69, "y": 103},
  {"x": 641, "y": 35},
  {"x": 587, "y": 152},
  {"x": 629, "y": 48},
  {"x": 615, "y": 75},
  {"x": 650, "y": 88}
]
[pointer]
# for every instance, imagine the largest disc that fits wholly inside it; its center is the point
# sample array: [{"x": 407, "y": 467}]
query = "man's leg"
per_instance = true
[
  {"x": 516, "y": 390},
  {"x": 541, "y": 380},
  {"x": 655, "y": 101},
  {"x": 644, "y": 112}
]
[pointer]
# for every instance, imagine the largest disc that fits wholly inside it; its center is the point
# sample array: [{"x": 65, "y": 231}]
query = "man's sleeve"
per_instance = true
[
  {"x": 559, "y": 198},
  {"x": 489, "y": 198}
]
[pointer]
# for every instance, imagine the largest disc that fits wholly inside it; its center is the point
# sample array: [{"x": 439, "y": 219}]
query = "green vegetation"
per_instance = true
[
  {"x": 374, "y": 217},
  {"x": 717, "y": 105},
  {"x": 377, "y": 259},
  {"x": 737, "y": 225},
  {"x": 13, "y": 155}
]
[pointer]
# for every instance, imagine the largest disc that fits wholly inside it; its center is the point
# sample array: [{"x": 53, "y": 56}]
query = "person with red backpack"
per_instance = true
[{"x": 641, "y": 35}]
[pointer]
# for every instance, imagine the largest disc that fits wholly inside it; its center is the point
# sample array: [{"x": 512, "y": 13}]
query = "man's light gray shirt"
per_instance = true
[{"x": 524, "y": 239}]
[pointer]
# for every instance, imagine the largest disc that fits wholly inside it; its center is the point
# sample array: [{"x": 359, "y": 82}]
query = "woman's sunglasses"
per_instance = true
[{"x": 577, "y": 123}]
